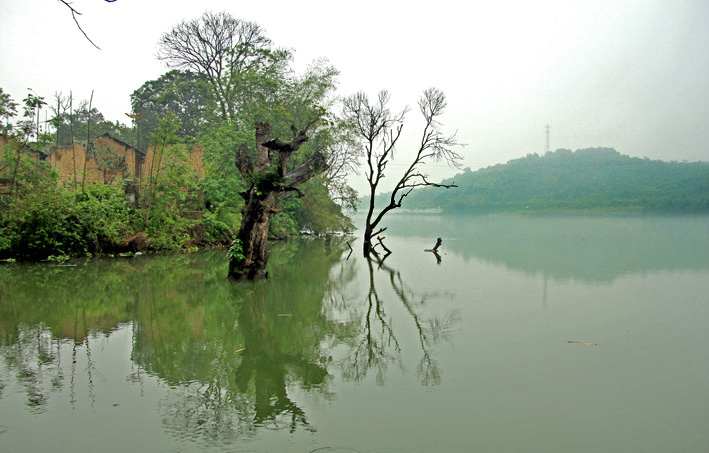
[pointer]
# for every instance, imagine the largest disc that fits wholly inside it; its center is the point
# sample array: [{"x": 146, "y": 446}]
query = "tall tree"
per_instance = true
[
  {"x": 184, "y": 93},
  {"x": 379, "y": 130},
  {"x": 258, "y": 100},
  {"x": 269, "y": 177},
  {"x": 225, "y": 51},
  {"x": 25, "y": 135}
]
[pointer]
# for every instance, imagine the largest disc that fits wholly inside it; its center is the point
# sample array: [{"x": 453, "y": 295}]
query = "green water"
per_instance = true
[{"x": 467, "y": 351}]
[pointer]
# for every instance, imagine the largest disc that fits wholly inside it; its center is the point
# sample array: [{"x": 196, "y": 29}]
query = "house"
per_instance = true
[{"x": 109, "y": 159}]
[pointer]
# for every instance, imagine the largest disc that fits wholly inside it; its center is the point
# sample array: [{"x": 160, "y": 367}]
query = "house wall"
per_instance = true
[
  {"x": 64, "y": 160},
  {"x": 194, "y": 161},
  {"x": 132, "y": 160}
]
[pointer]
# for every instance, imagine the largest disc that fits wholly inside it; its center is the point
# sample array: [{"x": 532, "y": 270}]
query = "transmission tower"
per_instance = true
[{"x": 546, "y": 147}]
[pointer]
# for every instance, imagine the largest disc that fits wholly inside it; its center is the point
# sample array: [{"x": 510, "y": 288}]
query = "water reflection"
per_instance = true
[
  {"x": 233, "y": 356},
  {"x": 377, "y": 344},
  {"x": 586, "y": 248},
  {"x": 230, "y": 356},
  {"x": 44, "y": 316}
]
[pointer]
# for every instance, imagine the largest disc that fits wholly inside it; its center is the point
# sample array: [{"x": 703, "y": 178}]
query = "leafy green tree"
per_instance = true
[
  {"x": 257, "y": 99},
  {"x": 27, "y": 138},
  {"x": 184, "y": 93},
  {"x": 234, "y": 57}
]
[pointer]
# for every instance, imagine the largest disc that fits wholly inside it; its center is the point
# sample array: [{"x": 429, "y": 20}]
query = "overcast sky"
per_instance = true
[{"x": 627, "y": 74}]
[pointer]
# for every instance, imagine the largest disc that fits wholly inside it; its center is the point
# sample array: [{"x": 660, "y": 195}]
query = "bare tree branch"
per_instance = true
[
  {"x": 380, "y": 131},
  {"x": 222, "y": 49},
  {"x": 75, "y": 13}
]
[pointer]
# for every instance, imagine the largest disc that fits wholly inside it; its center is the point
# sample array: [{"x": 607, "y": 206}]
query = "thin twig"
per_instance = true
[{"x": 74, "y": 13}]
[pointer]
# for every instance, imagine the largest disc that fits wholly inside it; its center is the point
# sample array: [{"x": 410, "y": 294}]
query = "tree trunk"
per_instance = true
[
  {"x": 249, "y": 252},
  {"x": 250, "y": 262},
  {"x": 367, "y": 244}
]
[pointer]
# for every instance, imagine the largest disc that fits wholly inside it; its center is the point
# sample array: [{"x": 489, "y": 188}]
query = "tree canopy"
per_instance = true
[
  {"x": 234, "y": 56},
  {"x": 183, "y": 93}
]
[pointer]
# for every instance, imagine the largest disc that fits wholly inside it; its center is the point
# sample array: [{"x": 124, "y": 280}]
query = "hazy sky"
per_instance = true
[{"x": 627, "y": 74}]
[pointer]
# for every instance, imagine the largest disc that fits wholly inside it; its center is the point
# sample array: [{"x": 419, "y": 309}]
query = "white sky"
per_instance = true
[{"x": 627, "y": 74}]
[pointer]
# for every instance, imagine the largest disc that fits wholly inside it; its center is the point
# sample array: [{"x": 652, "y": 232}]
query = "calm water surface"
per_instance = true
[{"x": 465, "y": 351}]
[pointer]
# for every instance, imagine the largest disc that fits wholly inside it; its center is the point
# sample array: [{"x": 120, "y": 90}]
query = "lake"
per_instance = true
[{"x": 548, "y": 334}]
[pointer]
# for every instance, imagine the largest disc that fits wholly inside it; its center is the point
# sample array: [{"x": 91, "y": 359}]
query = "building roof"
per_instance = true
[{"x": 121, "y": 142}]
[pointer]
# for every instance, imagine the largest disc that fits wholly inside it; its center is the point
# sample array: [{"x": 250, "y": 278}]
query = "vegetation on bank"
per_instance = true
[
  {"x": 215, "y": 100},
  {"x": 44, "y": 218},
  {"x": 599, "y": 180},
  {"x": 170, "y": 209}
]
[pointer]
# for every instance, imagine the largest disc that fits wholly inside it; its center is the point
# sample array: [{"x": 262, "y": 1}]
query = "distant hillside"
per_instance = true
[{"x": 594, "y": 179}]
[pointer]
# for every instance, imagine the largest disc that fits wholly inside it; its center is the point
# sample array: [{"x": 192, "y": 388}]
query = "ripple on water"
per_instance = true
[
  {"x": 335, "y": 450},
  {"x": 352, "y": 450},
  {"x": 392, "y": 450}
]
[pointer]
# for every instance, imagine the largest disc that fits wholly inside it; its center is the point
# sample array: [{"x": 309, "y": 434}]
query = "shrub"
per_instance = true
[{"x": 46, "y": 220}]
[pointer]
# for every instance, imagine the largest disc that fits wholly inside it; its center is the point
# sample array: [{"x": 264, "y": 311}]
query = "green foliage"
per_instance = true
[
  {"x": 267, "y": 182},
  {"x": 217, "y": 231},
  {"x": 99, "y": 126},
  {"x": 168, "y": 201},
  {"x": 284, "y": 224},
  {"x": 104, "y": 216},
  {"x": 168, "y": 230},
  {"x": 182, "y": 93},
  {"x": 317, "y": 213},
  {"x": 222, "y": 181},
  {"x": 8, "y": 109},
  {"x": 595, "y": 179},
  {"x": 18, "y": 159},
  {"x": 236, "y": 251},
  {"x": 50, "y": 220}
]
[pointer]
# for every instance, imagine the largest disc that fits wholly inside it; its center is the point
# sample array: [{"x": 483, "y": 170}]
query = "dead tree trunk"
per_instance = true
[
  {"x": 249, "y": 252},
  {"x": 379, "y": 131},
  {"x": 250, "y": 262}
]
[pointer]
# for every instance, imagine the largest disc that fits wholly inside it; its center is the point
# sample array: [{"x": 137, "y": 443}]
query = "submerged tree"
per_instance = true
[
  {"x": 257, "y": 99},
  {"x": 269, "y": 177},
  {"x": 379, "y": 129}
]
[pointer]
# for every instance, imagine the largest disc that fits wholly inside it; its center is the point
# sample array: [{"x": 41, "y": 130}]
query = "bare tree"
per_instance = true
[
  {"x": 380, "y": 130},
  {"x": 223, "y": 49}
]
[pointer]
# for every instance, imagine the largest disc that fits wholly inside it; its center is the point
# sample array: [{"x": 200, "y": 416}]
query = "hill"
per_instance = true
[{"x": 587, "y": 180}]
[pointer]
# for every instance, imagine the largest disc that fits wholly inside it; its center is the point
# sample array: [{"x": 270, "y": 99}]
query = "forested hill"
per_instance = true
[{"x": 594, "y": 179}]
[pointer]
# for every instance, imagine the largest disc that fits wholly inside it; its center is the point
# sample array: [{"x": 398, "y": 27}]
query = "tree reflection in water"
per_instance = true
[
  {"x": 245, "y": 350},
  {"x": 230, "y": 357},
  {"x": 34, "y": 359},
  {"x": 378, "y": 345}
]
